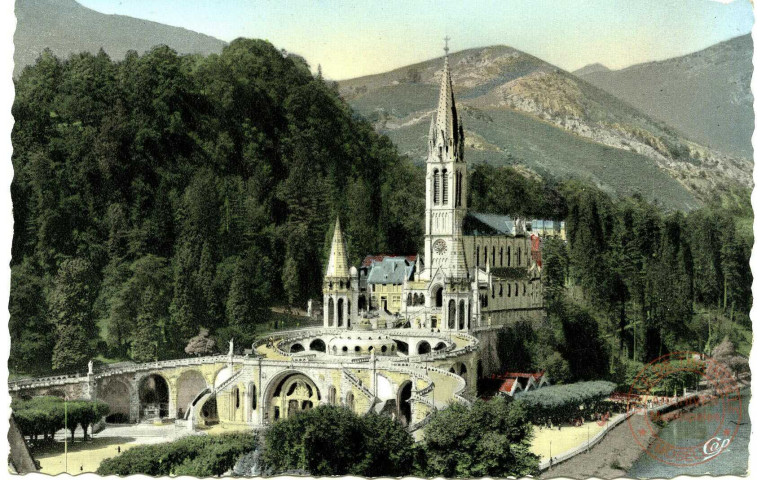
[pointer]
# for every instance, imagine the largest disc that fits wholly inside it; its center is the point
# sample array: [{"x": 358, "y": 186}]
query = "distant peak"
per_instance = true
[{"x": 591, "y": 68}]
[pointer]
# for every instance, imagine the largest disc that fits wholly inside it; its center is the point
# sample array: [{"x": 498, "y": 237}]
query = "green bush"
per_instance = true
[
  {"x": 197, "y": 456},
  {"x": 563, "y": 403},
  {"x": 486, "y": 439},
  {"x": 331, "y": 440}
]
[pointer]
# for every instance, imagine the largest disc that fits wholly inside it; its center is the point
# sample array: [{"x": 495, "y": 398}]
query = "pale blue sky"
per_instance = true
[{"x": 353, "y": 38}]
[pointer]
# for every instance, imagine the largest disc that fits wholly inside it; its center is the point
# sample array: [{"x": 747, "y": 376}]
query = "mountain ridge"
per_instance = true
[
  {"x": 501, "y": 83},
  {"x": 704, "y": 94},
  {"x": 46, "y": 24},
  {"x": 591, "y": 68}
]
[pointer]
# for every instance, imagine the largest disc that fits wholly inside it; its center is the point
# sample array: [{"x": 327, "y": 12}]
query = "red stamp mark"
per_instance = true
[{"x": 650, "y": 396}]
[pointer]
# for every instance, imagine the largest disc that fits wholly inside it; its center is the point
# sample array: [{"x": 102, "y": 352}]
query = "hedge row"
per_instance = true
[
  {"x": 196, "y": 456},
  {"x": 563, "y": 403}
]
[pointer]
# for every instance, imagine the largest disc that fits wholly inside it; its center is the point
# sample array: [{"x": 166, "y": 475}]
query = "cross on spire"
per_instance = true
[{"x": 446, "y": 45}]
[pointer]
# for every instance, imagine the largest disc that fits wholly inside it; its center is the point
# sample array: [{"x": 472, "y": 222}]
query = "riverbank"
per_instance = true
[{"x": 611, "y": 458}]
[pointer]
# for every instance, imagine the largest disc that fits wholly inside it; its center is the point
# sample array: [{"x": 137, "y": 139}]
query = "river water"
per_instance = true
[{"x": 732, "y": 461}]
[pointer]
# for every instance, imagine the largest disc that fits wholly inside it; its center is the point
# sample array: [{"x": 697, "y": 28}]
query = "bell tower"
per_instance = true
[{"x": 446, "y": 189}]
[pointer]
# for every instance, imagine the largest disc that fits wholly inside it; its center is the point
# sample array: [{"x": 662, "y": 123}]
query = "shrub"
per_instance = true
[
  {"x": 331, "y": 440},
  {"x": 563, "y": 403},
  {"x": 197, "y": 456}
]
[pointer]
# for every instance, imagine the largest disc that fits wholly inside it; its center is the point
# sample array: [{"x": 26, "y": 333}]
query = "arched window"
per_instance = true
[
  {"x": 494, "y": 257},
  {"x": 486, "y": 255},
  {"x": 421, "y": 299},
  {"x": 409, "y": 301},
  {"x": 439, "y": 297},
  {"x": 445, "y": 187},
  {"x": 516, "y": 289},
  {"x": 461, "y": 316},
  {"x": 457, "y": 188},
  {"x": 478, "y": 251},
  {"x": 500, "y": 289},
  {"x": 436, "y": 187},
  {"x": 508, "y": 256},
  {"x": 519, "y": 253},
  {"x": 500, "y": 256},
  {"x": 459, "y": 184},
  {"x": 332, "y": 395},
  {"x": 254, "y": 394},
  {"x": 509, "y": 289},
  {"x": 451, "y": 315}
]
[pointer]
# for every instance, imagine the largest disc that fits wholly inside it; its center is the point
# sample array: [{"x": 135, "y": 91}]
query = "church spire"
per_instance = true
[
  {"x": 338, "y": 263},
  {"x": 444, "y": 137}
]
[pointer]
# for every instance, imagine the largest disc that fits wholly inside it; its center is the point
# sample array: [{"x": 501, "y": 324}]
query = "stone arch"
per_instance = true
[
  {"x": 436, "y": 187},
  {"x": 289, "y": 393},
  {"x": 332, "y": 395},
  {"x": 402, "y": 347},
  {"x": 440, "y": 346},
  {"x": 461, "y": 315},
  {"x": 423, "y": 347},
  {"x": 463, "y": 371},
  {"x": 252, "y": 394},
  {"x": 361, "y": 306},
  {"x": 235, "y": 404},
  {"x": 189, "y": 384},
  {"x": 451, "y": 315},
  {"x": 296, "y": 348},
  {"x": 154, "y": 396},
  {"x": 438, "y": 295},
  {"x": 404, "y": 410},
  {"x": 330, "y": 312},
  {"x": 209, "y": 411},
  {"x": 117, "y": 394},
  {"x": 318, "y": 345},
  {"x": 452, "y": 370}
]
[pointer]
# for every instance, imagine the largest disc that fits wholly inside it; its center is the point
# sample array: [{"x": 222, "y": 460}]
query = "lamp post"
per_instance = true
[
  {"x": 65, "y": 430},
  {"x": 587, "y": 437}
]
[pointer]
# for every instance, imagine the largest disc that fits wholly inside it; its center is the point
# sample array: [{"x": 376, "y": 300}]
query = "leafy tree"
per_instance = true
[
  {"x": 201, "y": 344},
  {"x": 388, "y": 448},
  {"x": 327, "y": 440},
  {"x": 488, "y": 439},
  {"x": 70, "y": 312},
  {"x": 146, "y": 340},
  {"x": 249, "y": 295},
  {"x": 31, "y": 332}
]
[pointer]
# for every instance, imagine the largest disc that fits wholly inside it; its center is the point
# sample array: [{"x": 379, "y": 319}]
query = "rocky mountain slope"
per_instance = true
[
  {"x": 520, "y": 110},
  {"x": 66, "y": 27},
  {"x": 591, "y": 68},
  {"x": 705, "y": 94}
]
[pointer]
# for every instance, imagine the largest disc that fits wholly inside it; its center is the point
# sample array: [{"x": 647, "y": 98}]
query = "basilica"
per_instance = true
[{"x": 477, "y": 270}]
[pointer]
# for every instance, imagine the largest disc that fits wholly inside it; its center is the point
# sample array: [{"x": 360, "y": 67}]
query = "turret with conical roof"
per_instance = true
[
  {"x": 338, "y": 266},
  {"x": 340, "y": 284}
]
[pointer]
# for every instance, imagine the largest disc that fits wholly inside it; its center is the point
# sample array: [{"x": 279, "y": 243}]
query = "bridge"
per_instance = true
[{"x": 403, "y": 373}]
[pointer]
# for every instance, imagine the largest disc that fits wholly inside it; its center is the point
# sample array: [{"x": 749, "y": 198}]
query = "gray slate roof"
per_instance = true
[
  {"x": 391, "y": 271},
  {"x": 488, "y": 224}
]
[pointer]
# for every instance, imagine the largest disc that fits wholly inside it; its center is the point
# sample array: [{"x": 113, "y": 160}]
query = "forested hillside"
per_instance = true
[{"x": 162, "y": 193}]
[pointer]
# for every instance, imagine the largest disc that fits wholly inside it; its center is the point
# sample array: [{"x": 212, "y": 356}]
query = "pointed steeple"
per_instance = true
[
  {"x": 444, "y": 131},
  {"x": 338, "y": 264}
]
